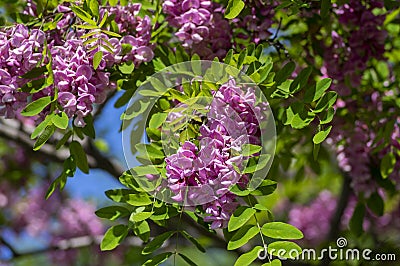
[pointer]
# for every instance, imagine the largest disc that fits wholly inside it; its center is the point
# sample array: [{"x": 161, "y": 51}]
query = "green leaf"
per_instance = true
[
  {"x": 321, "y": 87},
  {"x": 281, "y": 230},
  {"x": 113, "y": 2},
  {"x": 234, "y": 8},
  {"x": 112, "y": 212},
  {"x": 327, "y": 116},
  {"x": 262, "y": 162},
  {"x": 250, "y": 149},
  {"x": 103, "y": 20},
  {"x": 193, "y": 240},
  {"x": 357, "y": 219},
  {"x": 157, "y": 120},
  {"x": 35, "y": 72},
  {"x": 157, "y": 242},
  {"x": 44, "y": 137},
  {"x": 240, "y": 217},
  {"x": 242, "y": 236},
  {"x": 94, "y": 7},
  {"x": 39, "y": 129},
  {"x": 97, "y": 59},
  {"x": 376, "y": 204},
  {"x": 142, "y": 230},
  {"x": 301, "y": 80},
  {"x": 60, "y": 120},
  {"x": 247, "y": 258},
  {"x": 266, "y": 187},
  {"x": 284, "y": 73},
  {"x": 127, "y": 68},
  {"x": 189, "y": 261},
  {"x": 328, "y": 100},
  {"x": 36, "y": 107},
  {"x": 284, "y": 249},
  {"x": 64, "y": 139},
  {"x": 140, "y": 216},
  {"x": 82, "y": 14},
  {"x": 110, "y": 33},
  {"x": 79, "y": 155},
  {"x": 387, "y": 164},
  {"x": 322, "y": 135},
  {"x": 113, "y": 237},
  {"x": 157, "y": 260},
  {"x": 325, "y": 8}
]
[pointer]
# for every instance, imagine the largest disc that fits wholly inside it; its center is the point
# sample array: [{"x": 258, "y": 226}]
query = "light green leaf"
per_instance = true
[
  {"x": 284, "y": 249},
  {"x": 36, "y": 107},
  {"x": 234, "y": 8},
  {"x": 387, "y": 164},
  {"x": 242, "y": 236},
  {"x": 281, "y": 230},
  {"x": 322, "y": 135},
  {"x": 247, "y": 258},
  {"x": 97, "y": 59},
  {"x": 82, "y": 14},
  {"x": 193, "y": 240},
  {"x": 250, "y": 149},
  {"x": 275, "y": 262},
  {"x": 140, "y": 216},
  {"x": 113, "y": 237},
  {"x": 321, "y": 87},
  {"x": 240, "y": 217},
  {"x": 157, "y": 120},
  {"x": 60, "y": 120},
  {"x": 157, "y": 260},
  {"x": 39, "y": 129}
]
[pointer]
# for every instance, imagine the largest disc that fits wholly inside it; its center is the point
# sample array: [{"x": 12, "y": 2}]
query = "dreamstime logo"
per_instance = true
[
  {"x": 189, "y": 91},
  {"x": 340, "y": 252}
]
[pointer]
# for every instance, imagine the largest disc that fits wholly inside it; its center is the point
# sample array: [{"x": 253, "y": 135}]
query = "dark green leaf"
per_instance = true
[
  {"x": 376, "y": 204},
  {"x": 112, "y": 212},
  {"x": 47, "y": 133},
  {"x": 79, "y": 155},
  {"x": 157, "y": 242},
  {"x": 284, "y": 73},
  {"x": 357, "y": 219},
  {"x": 157, "y": 260},
  {"x": 193, "y": 240},
  {"x": 326, "y": 101}
]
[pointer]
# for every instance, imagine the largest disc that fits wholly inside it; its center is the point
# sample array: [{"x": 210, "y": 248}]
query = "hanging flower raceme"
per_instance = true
[
  {"x": 204, "y": 173},
  {"x": 78, "y": 82}
]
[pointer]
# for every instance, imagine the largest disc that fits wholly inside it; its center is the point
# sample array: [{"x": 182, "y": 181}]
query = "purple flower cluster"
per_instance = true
[
  {"x": 347, "y": 57},
  {"x": 20, "y": 51},
  {"x": 314, "y": 220},
  {"x": 257, "y": 23},
  {"x": 79, "y": 85},
  {"x": 204, "y": 174},
  {"x": 359, "y": 145},
  {"x": 201, "y": 26}
]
